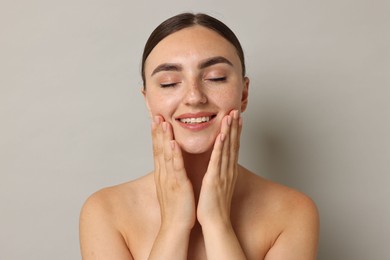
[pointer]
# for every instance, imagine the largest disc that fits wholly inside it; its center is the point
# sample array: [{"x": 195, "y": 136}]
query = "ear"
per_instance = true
[
  {"x": 244, "y": 97},
  {"x": 143, "y": 91}
]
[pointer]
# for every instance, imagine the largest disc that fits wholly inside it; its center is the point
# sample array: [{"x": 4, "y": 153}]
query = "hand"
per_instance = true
[
  {"x": 174, "y": 189},
  {"x": 219, "y": 181}
]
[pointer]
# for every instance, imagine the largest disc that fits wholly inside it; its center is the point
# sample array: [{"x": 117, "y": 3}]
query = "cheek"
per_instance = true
[
  {"x": 162, "y": 105},
  {"x": 229, "y": 99}
]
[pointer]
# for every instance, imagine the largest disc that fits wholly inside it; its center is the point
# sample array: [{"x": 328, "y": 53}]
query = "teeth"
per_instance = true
[{"x": 195, "y": 120}]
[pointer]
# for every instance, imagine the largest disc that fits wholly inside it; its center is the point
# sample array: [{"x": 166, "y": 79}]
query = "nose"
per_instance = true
[{"x": 195, "y": 95}]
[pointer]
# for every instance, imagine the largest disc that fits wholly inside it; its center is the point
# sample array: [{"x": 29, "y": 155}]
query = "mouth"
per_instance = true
[{"x": 194, "y": 119}]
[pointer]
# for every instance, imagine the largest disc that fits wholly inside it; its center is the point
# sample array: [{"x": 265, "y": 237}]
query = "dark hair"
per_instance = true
[{"x": 186, "y": 20}]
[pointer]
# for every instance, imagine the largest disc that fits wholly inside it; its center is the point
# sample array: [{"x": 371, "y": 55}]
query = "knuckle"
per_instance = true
[
  {"x": 236, "y": 146},
  {"x": 178, "y": 167},
  {"x": 157, "y": 150},
  {"x": 168, "y": 157}
]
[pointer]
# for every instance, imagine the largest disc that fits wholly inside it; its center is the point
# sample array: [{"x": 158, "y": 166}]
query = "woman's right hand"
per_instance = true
[{"x": 174, "y": 189}]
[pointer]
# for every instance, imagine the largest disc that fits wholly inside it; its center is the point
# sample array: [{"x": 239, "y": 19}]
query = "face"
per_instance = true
[{"x": 193, "y": 79}]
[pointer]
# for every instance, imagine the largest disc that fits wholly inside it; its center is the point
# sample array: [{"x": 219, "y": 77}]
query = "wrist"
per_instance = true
[
  {"x": 175, "y": 229},
  {"x": 221, "y": 241},
  {"x": 171, "y": 243},
  {"x": 214, "y": 220},
  {"x": 221, "y": 226}
]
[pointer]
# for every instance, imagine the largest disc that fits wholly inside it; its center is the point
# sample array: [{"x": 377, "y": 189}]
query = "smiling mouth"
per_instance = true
[{"x": 196, "y": 120}]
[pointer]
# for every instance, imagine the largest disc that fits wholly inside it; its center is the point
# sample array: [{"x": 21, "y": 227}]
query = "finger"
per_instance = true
[
  {"x": 239, "y": 137},
  {"x": 156, "y": 154},
  {"x": 167, "y": 148},
  {"x": 234, "y": 139},
  {"x": 214, "y": 167},
  {"x": 235, "y": 144},
  {"x": 167, "y": 138},
  {"x": 155, "y": 141},
  {"x": 178, "y": 163},
  {"x": 158, "y": 150},
  {"x": 218, "y": 163},
  {"x": 225, "y": 156},
  {"x": 174, "y": 164}
]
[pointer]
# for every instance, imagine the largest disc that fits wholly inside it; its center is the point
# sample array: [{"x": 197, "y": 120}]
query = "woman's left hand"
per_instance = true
[{"x": 219, "y": 181}]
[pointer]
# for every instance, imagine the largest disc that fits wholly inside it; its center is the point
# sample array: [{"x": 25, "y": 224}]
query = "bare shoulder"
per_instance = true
[
  {"x": 292, "y": 215},
  {"x": 290, "y": 201},
  {"x": 279, "y": 198},
  {"x": 103, "y": 216},
  {"x": 112, "y": 199}
]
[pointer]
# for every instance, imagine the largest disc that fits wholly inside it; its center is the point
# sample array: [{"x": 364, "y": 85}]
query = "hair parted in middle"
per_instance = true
[{"x": 186, "y": 20}]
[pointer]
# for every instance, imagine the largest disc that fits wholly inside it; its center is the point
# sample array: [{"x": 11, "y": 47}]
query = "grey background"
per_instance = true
[{"x": 73, "y": 119}]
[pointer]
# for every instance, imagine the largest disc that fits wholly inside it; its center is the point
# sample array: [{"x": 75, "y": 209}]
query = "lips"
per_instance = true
[{"x": 194, "y": 120}]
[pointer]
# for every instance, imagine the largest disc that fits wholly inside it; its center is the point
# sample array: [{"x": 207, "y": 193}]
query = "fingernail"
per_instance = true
[
  {"x": 229, "y": 120},
  {"x": 222, "y": 137},
  {"x": 164, "y": 126},
  {"x": 235, "y": 114},
  {"x": 240, "y": 121}
]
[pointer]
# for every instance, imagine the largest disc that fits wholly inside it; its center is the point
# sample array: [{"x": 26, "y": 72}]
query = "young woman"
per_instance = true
[{"x": 198, "y": 203}]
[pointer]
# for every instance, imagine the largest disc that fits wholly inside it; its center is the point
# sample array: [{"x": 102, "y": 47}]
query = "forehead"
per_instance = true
[{"x": 189, "y": 46}]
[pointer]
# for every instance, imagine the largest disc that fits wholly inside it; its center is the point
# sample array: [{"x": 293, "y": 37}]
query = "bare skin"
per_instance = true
[
  {"x": 270, "y": 220},
  {"x": 198, "y": 203}
]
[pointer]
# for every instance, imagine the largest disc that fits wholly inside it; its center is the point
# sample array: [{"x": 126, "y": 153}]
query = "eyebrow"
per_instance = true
[
  {"x": 167, "y": 67},
  {"x": 204, "y": 64},
  {"x": 214, "y": 60}
]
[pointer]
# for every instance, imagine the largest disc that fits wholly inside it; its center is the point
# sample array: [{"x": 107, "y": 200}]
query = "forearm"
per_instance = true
[
  {"x": 170, "y": 244},
  {"x": 222, "y": 243}
]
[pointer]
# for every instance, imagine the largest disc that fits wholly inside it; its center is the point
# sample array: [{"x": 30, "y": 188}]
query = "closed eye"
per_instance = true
[
  {"x": 167, "y": 85},
  {"x": 220, "y": 79}
]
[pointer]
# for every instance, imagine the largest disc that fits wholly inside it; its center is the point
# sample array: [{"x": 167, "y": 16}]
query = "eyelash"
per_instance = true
[
  {"x": 170, "y": 85},
  {"x": 220, "y": 79}
]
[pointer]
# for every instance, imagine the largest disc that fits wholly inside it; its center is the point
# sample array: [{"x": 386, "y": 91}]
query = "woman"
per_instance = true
[{"x": 198, "y": 203}]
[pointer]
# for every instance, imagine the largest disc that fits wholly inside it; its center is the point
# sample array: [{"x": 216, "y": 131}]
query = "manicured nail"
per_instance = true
[
  {"x": 235, "y": 114},
  {"x": 229, "y": 120}
]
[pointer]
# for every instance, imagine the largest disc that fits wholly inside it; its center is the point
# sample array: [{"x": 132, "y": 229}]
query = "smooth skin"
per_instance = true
[{"x": 198, "y": 203}]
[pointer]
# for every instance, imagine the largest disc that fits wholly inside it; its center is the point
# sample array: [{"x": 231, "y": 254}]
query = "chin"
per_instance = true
[
  {"x": 195, "y": 150},
  {"x": 196, "y": 147}
]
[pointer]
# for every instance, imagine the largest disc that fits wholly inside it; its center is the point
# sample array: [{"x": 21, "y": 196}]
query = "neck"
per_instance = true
[{"x": 196, "y": 167}]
